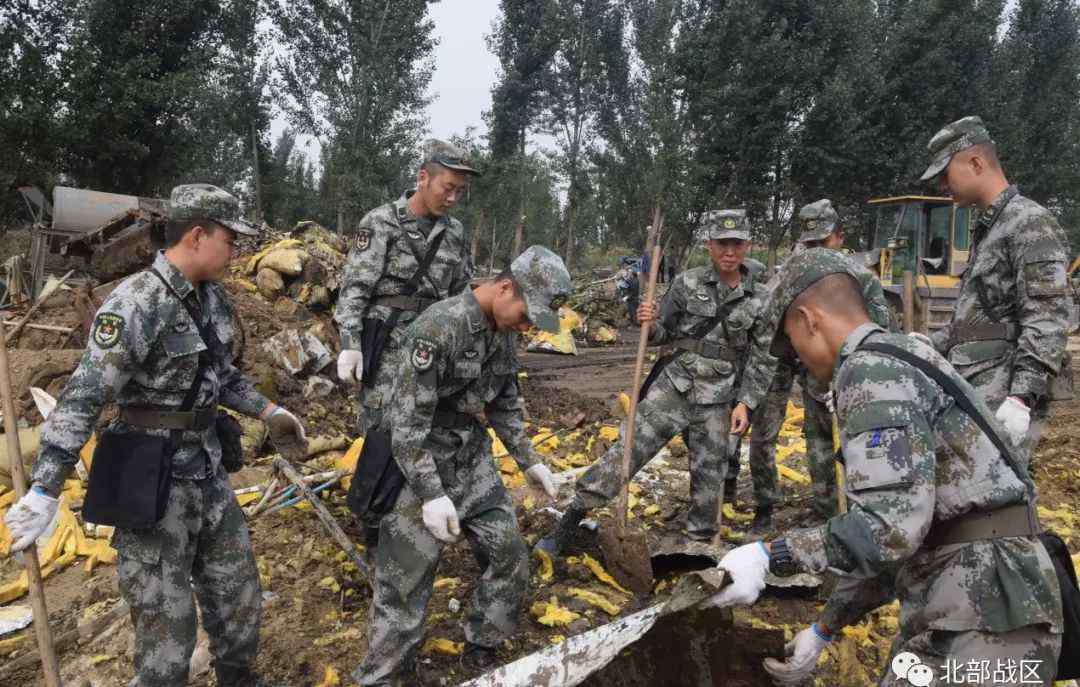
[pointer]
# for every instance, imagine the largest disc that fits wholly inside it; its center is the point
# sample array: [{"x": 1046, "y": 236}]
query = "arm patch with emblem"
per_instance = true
[
  {"x": 423, "y": 354},
  {"x": 108, "y": 327},
  {"x": 363, "y": 239}
]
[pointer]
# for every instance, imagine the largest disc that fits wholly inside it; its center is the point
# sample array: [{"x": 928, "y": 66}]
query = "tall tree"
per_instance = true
[
  {"x": 355, "y": 74},
  {"x": 571, "y": 98},
  {"x": 138, "y": 82},
  {"x": 1034, "y": 116},
  {"x": 31, "y": 40}
]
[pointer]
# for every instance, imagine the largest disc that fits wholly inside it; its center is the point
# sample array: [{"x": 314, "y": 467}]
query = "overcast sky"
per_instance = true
[{"x": 464, "y": 69}]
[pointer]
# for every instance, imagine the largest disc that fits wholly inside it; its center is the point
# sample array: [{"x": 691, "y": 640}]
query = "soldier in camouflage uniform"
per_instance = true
[
  {"x": 939, "y": 517},
  {"x": 711, "y": 315},
  {"x": 143, "y": 353},
  {"x": 820, "y": 228},
  {"x": 1009, "y": 325},
  {"x": 387, "y": 251},
  {"x": 458, "y": 365}
]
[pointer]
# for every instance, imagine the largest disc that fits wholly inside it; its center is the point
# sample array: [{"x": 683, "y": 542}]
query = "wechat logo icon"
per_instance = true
[{"x": 908, "y": 667}]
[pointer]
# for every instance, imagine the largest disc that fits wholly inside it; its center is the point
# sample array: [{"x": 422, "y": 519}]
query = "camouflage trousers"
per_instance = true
[
  {"x": 820, "y": 455},
  {"x": 201, "y": 543},
  {"x": 767, "y": 420},
  {"x": 408, "y": 555},
  {"x": 993, "y": 384},
  {"x": 663, "y": 413},
  {"x": 375, "y": 396},
  {"x": 1026, "y": 656}
]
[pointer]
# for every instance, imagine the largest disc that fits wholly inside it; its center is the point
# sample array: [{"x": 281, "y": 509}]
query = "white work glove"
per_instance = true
[
  {"x": 802, "y": 653},
  {"x": 287, "y": 433},
  {"x": 30, "y": 517},
  {"x": 350, "y": 366},
  {"x": 1015, "y": 417},
  {"x": 922, "y": 337},
  {"x": 747, "y": 565},
  {"x": 440, "y": 517},
  {"x": 540, "y": 475}
]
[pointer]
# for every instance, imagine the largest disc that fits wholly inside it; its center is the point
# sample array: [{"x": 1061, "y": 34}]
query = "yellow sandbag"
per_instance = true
[
  {"x": 562, "y": 342},
  {"x": 347, "y": 462},
  {"x": 568, "y": 319},
  {"x": 443, "y": 647},
  {"x": 594, "y": 599},
  {"x": 252, "y": 264},
  {"x": 551, "y": 614}
]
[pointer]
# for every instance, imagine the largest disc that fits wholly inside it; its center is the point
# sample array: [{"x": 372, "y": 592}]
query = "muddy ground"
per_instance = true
[{"x": 316, "y": 605}]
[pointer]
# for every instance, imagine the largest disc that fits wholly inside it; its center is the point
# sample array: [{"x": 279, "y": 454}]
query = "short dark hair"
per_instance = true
[
  {"x": 507, "y": 275},
  {"x": 988, "y": 151},
  {"x": 433, "y": 168},
  {"x": 837, "y": 294},
  {"x": 176, "y": 229}
]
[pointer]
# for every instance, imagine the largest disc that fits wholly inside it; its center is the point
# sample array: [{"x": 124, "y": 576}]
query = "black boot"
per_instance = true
[
  {"x": 762, "y": 520},
  {"x": 731, "y": 490},
  {"x": 556, "y": 542}
]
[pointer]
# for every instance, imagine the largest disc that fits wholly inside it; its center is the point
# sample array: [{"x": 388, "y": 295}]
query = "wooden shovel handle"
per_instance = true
[{"x": 639, "y": 364}]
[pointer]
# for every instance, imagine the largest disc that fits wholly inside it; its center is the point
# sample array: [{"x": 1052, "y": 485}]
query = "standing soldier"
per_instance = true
[
  {"x": 710, "y": 314},
  {"x": 384, "y": 285},
  {"x": 820, "y": 229},
  {"x": 161, "y": 348},
  {"x": 942, "y": 513},
  {"x": 407, "y": 255},
  {"x": 458, "y": 365},
  {"x": 1009, "y": 326}
]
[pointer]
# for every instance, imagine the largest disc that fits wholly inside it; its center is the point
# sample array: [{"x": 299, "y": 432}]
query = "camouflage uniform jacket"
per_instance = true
[
  {"x": 913, "y": 458},
  {"x": 1017, "y": 272},
  {"x": 695, "y": 300},
  {"x": 388, "y": 248},
  {"x": 762, "y": 366},
  {"x": 144, "y": 351},
  {"x": 453, "y": 360}
]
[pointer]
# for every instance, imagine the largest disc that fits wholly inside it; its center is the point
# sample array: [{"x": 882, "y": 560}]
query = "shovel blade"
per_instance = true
[{"x": 626, "y": 555}]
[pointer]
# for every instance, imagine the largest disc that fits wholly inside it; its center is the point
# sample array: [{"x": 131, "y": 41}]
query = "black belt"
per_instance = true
[
  {"x": 707, "y": 349},
  {"x": 1007, "y": 521},
  {"x": 164, "y": 418},
  {"x": 988, "y": 331},
  {"x": 453, "y": 419},
  {"x": 413, "y": 303}
]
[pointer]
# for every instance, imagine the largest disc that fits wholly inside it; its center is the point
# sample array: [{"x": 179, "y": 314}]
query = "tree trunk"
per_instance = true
[
  {"x": 474, "y": 249},
  {"x": 258, "y": 175},
  {"x": 519, "y": 237}
]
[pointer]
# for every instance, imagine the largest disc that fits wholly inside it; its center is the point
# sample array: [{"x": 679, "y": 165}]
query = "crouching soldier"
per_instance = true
[
  {"x": 942, "y": 513},
  {"x": 160, "y": 347},
  {"x": 458, "y": 365},
  {"x": 710, "y": 315}
]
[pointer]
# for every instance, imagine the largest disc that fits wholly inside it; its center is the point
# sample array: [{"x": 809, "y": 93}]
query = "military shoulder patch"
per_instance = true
[
  {"x": 363, "y": 239},
  {"x": 107, "y": 329},
  {"x": 423, "y": 354}
]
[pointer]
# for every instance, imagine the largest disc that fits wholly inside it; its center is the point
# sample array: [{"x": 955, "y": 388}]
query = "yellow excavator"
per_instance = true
[{"x": 928, "y": 237}]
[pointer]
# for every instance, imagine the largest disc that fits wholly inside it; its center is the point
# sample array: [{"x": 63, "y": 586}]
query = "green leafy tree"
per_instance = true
[{"x": 355, "y": 74}]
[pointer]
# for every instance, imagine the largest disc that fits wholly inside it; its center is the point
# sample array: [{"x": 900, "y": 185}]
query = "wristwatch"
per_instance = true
[{"x": 781, "y": 562}]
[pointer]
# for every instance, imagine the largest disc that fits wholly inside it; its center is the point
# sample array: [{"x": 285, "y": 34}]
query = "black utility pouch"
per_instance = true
[
  {"x": 1069, "y": 660},
  {"x": 229, "y": 432},
  {"x": 378, "y": 480},
  {"x": 129, "y": 480}
]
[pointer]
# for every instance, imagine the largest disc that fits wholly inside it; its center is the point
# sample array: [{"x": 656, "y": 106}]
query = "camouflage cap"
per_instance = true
[
  {"x": 545, "y": 284},
  {"x": 726, "y": 224},
  {"x": 961, "y": 134},
  {"x": 205, "y": 201},
  {"x": 448, "y": 155},
  {"x": 817, "y": 220},
  {"x": 801, "y": 271}
]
